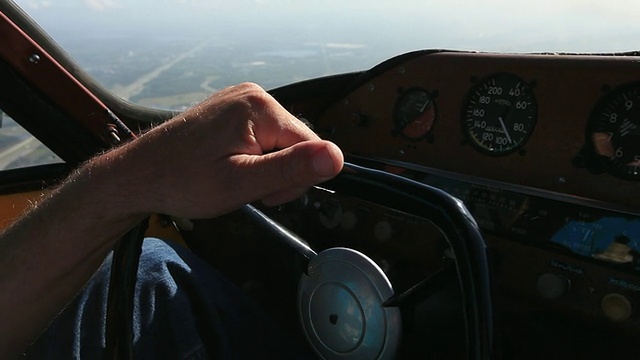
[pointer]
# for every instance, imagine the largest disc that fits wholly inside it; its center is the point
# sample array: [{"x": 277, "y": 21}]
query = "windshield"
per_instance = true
[
  {"x": 172, "y": 53},
  {"x": 18, "y": 148}
]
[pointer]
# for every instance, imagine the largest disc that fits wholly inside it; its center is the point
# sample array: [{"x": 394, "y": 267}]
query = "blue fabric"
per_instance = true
[{"x": 184, "y": 309}]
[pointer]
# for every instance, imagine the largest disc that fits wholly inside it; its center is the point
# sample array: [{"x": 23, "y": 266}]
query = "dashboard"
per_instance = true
[
  {"x": 540, "y": 147},
  {"x": 533, "y": 133},
  {"x": 531, "y": 143},
  {"x": 543, "y": 149}
]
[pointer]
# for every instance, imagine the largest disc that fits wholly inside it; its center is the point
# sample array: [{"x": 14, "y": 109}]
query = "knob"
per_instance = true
[
  {"x": 383, "y": 231},
  {"x": 349, "y": 221},
  {"x": 330, "y": 213},
  {"x": 552, "y": 286},
  {"x": 616, "y": 307}
]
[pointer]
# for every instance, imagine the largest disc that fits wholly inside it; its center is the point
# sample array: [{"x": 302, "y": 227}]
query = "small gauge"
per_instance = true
[
  {"x": 614, "y": 132},
  {"x": 499, "y": 114},
  {"x": 414, "y": 114}
]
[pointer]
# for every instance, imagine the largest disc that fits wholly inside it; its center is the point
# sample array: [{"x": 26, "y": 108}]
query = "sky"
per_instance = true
[
  {"x": 369, "y": 31},
  {"x": 490, "y": 25}
]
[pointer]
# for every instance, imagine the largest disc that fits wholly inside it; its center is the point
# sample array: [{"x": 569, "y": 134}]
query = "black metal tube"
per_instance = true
[
  {"x": 456, "y": 224},
  {"x": 120, "y": 300},
  {"x": 280, "y": 231}
]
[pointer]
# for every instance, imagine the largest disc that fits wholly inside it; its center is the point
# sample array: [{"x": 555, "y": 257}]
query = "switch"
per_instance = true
[{"x": 616, "y": 307}]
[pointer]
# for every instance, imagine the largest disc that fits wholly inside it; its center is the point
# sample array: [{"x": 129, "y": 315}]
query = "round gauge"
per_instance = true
[
  {"x": 499, "y": 114},
  {"x": 614, "y": 132},
  {"x": 414, "y": 114}
]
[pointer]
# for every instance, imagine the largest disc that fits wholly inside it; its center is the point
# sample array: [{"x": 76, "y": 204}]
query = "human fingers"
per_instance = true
[
  {"x": 281, "y": 129},
  {"x": 283, "y": 175},
  {"x": 272, "y": 125}
]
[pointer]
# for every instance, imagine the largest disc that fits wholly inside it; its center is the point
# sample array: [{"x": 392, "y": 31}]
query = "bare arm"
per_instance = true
[{"x": 236, "y": 147}]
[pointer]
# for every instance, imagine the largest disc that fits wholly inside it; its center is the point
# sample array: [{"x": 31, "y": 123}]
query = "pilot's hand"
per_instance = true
[{"x": 237, "y": 146}]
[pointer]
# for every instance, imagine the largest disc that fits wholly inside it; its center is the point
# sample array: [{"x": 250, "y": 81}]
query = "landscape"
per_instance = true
[
  {"x": 170, "y": 54},
  {"x": 176, "y": 72}
]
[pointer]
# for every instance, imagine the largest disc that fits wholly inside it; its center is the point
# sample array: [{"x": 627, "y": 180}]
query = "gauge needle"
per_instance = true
[
  {"x": 504, "y": 128},
  {"x": 424, "y": 107}
]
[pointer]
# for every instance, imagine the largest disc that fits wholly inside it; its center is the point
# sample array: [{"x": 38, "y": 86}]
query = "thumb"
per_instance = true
[{"x": 287, "y": 173}]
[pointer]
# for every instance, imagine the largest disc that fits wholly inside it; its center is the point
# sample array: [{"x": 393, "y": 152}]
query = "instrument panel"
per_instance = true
[
  {"x": 543, "y": 150},
  {"x": 558, "y": 126}
]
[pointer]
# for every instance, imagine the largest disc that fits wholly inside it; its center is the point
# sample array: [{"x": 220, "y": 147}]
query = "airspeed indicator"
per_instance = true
[{"x": 499, "y": 114}]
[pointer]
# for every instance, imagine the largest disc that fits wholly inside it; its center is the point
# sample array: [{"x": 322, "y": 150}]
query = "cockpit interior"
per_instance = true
[{"x": 492, "y": 205}]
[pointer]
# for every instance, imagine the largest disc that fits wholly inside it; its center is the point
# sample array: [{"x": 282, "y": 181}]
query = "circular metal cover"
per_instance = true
[{"x": 340, "y": 307}]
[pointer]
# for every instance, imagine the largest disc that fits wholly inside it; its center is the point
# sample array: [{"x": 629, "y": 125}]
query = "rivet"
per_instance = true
[{"x": 34, "y": 58}]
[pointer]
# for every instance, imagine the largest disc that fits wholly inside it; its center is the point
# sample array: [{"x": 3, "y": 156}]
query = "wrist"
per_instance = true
[{"x": 106, "y": 186}]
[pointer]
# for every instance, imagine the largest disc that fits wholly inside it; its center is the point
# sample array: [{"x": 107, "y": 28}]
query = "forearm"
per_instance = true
[
  {"x": 237, "y": 146},
  {"x": 49, "y": 254}
]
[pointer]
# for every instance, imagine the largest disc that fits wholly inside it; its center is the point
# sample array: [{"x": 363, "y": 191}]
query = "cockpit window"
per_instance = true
[
  {"x": 18, "y": 148},
  {"x": 172, "y": 53}
]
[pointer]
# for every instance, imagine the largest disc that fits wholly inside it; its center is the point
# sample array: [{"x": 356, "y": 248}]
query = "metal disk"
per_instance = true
[{"x": 340, "y": 307}]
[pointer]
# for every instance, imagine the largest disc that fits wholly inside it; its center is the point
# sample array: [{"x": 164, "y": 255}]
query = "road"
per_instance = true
[
  {"x": 21, "y": 149},
  {"x": 128, "y": 91},
  {"x": 25, "y": 147}
]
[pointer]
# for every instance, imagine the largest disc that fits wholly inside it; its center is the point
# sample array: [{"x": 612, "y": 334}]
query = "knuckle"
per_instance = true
[
  {"x": 258, "y": 99},
  {"x": 288, "y": 173},
  {"x": 294, "y": 170},
  {"x": 249, "y": 86},
  {"x": 254, "y": 98}
]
